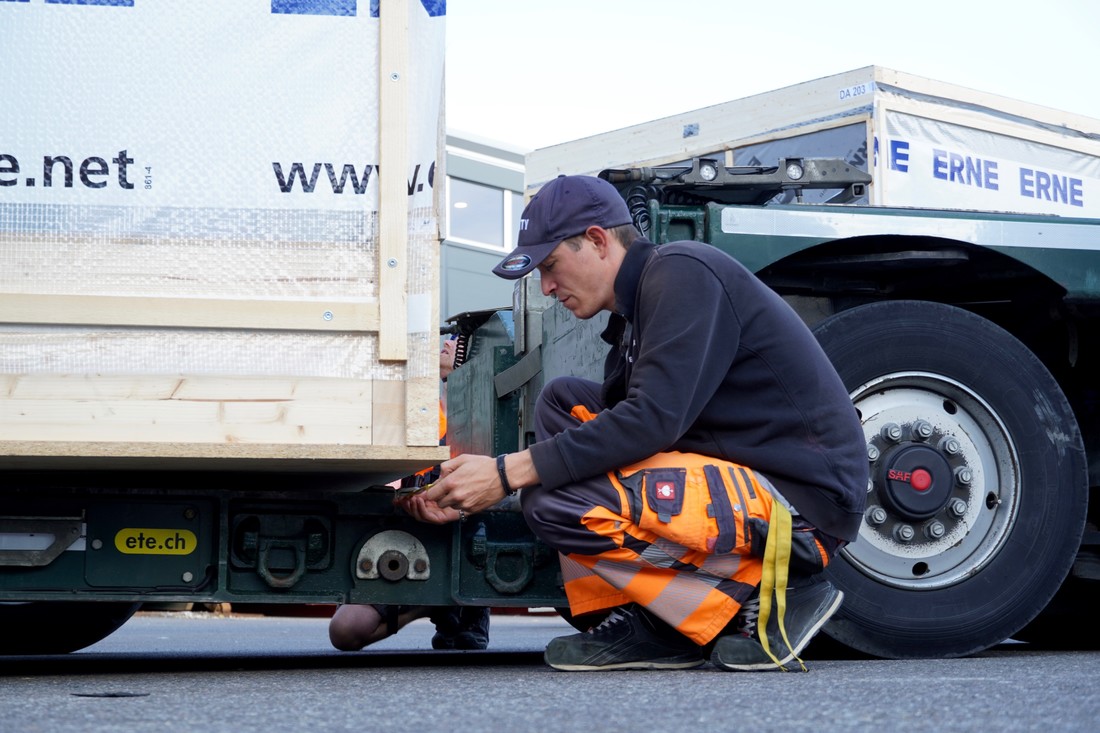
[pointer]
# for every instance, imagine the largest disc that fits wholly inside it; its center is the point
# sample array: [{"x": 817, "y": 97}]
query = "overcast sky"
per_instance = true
[{"x": 531, "y": 73}]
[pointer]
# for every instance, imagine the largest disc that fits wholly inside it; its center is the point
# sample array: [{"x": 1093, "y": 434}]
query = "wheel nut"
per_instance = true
[
  {"x": 904, "y": 533},
  {"x": 958, "y": 508},
  {"x": 891, "y": 432},
  {"x": 876, "y": 515},
  {"x": 951, "y": 446},
  {"x": 922, "y": 429},
  {"x": 872, "y": 452},
  {"x": 934, "y": 530},
  {"x": 963, "y": 475}
]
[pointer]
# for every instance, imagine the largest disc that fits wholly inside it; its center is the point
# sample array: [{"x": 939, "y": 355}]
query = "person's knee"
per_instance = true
[
  {"x": 343, "y": 638},
  {"x": 559, "y": 525},
  {"x": 552, "y": 390},
  {"x": 562, "y": 393},
  {"x": 543, "y": 519},
  {"x": 351, "y": 627},
  {"x": 534, "y": 511},
  {"x": 555, "y": 403},
  {"x": 342, "y": 635}
]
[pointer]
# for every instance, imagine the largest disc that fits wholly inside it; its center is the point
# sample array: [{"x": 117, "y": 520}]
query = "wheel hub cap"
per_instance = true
[{"x": 916, "y": 481}]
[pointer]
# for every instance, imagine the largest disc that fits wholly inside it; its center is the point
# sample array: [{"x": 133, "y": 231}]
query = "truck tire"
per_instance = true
[
  {"x": 59, "y": 627},
  {"x": 1069, "y": 620},
  {"x": 979, "y": 487}
]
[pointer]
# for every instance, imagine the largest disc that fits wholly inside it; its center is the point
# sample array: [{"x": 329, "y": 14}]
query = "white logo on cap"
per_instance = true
[{"x": 523, "y": 224}]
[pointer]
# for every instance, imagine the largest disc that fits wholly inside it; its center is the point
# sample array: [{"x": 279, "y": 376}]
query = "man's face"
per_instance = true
[
  {"x": 582, "y": 280},
  {"x": 447, "y": 358}
]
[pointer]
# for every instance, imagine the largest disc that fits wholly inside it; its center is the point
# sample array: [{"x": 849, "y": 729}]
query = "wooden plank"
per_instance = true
[
  {"x": 422, "y": 393},
  {"x": 194, "y": 410},
  {"x": 422, "y": 416},
  {"x": 388, "y": 408},
  {"x": 393, "y": 205},
  {"x": 173, "y": 421},
  {"x": 385, "y": 463},
  {"x": 79, "y": 387},
  {"x": 84, "y": 310}
]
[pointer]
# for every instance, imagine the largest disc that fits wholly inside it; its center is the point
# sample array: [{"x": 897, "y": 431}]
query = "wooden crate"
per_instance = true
[{"x": 199, "y": 329}]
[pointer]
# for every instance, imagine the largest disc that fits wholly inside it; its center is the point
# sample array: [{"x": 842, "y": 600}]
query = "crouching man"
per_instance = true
[{"x": 720, "y": 443}]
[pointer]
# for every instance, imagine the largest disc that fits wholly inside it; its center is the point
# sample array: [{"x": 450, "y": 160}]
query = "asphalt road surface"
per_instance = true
[{"x": 202, "y": 672}]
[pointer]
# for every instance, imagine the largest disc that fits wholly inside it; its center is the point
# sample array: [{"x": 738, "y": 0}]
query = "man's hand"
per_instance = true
[
  {"x": 466, "y": 482},
  {"x": 425, "y": 510}
]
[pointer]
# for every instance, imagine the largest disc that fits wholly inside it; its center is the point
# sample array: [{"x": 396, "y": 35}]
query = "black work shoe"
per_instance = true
[
  {"x": 808, "y": 608},
  {"x": 461, "y": 627},
  {"x": 629, "y": 638}
]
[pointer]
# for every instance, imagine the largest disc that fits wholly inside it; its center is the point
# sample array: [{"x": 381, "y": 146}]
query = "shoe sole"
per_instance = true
[
  {"x": 834, "y": 606},
  {"x": 652, "y": 664}
]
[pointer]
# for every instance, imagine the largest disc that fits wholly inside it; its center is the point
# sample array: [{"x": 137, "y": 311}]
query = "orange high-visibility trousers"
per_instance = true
[
  {"x": 679, "y": 541},
  {"x": 680, "y": 533}
]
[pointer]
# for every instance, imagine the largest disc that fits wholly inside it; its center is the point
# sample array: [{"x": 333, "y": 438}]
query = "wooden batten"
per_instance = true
[
  {"x": 372, "y": 462},
  {"x": 393, "y": 157},
  {"x": 111, "y": 310}
]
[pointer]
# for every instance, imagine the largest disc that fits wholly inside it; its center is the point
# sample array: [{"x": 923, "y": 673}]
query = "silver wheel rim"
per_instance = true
[{"x": 954, "y": 428}]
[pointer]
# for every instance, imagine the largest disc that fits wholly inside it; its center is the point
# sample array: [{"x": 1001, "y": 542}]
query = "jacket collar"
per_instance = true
[{"x": 630, "y": 275}]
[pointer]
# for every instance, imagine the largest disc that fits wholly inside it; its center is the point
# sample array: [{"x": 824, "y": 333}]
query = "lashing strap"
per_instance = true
[{"x": 774, "y": 577}]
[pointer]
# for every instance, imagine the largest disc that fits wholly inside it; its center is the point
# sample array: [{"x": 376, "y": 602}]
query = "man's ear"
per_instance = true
[{"x": 599, "y": 237}]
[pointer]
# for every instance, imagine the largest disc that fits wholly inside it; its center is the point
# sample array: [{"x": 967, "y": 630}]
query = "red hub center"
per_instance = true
[
  {"x": 921, "y": 480},
  {"x": 915, "y": 481}
]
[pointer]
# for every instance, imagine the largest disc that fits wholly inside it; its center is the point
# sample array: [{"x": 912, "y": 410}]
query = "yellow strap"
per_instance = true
[{"x": 777, "y": 558}]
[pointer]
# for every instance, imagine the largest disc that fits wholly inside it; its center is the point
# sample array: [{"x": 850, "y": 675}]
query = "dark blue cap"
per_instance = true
[{"x": 563, "y": 208}]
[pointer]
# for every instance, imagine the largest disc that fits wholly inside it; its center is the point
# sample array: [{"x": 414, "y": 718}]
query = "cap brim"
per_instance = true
[{"x": 522, "y": 260}]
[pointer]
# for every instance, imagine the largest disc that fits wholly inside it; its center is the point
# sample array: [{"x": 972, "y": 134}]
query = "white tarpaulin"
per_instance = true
[
  {"x": 934, "y": 164},
  {"x": 204, "y": 103},
  {"x": 208, "y": 152}
]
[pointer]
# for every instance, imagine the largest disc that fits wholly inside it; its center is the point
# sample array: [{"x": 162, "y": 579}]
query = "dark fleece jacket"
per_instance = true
[{"x": 707, "y": 359}]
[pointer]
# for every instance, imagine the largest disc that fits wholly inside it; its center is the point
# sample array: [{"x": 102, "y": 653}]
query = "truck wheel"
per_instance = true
[
  {"x": 59, "y": 627},
  {"x": 978, "y": 491}
]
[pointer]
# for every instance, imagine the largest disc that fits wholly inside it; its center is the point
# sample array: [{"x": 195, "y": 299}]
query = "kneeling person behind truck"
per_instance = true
[{"x": 355, "y": 626}]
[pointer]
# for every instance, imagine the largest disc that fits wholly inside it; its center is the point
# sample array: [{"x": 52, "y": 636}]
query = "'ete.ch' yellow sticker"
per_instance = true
[{"x": 145, "y": 541}]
